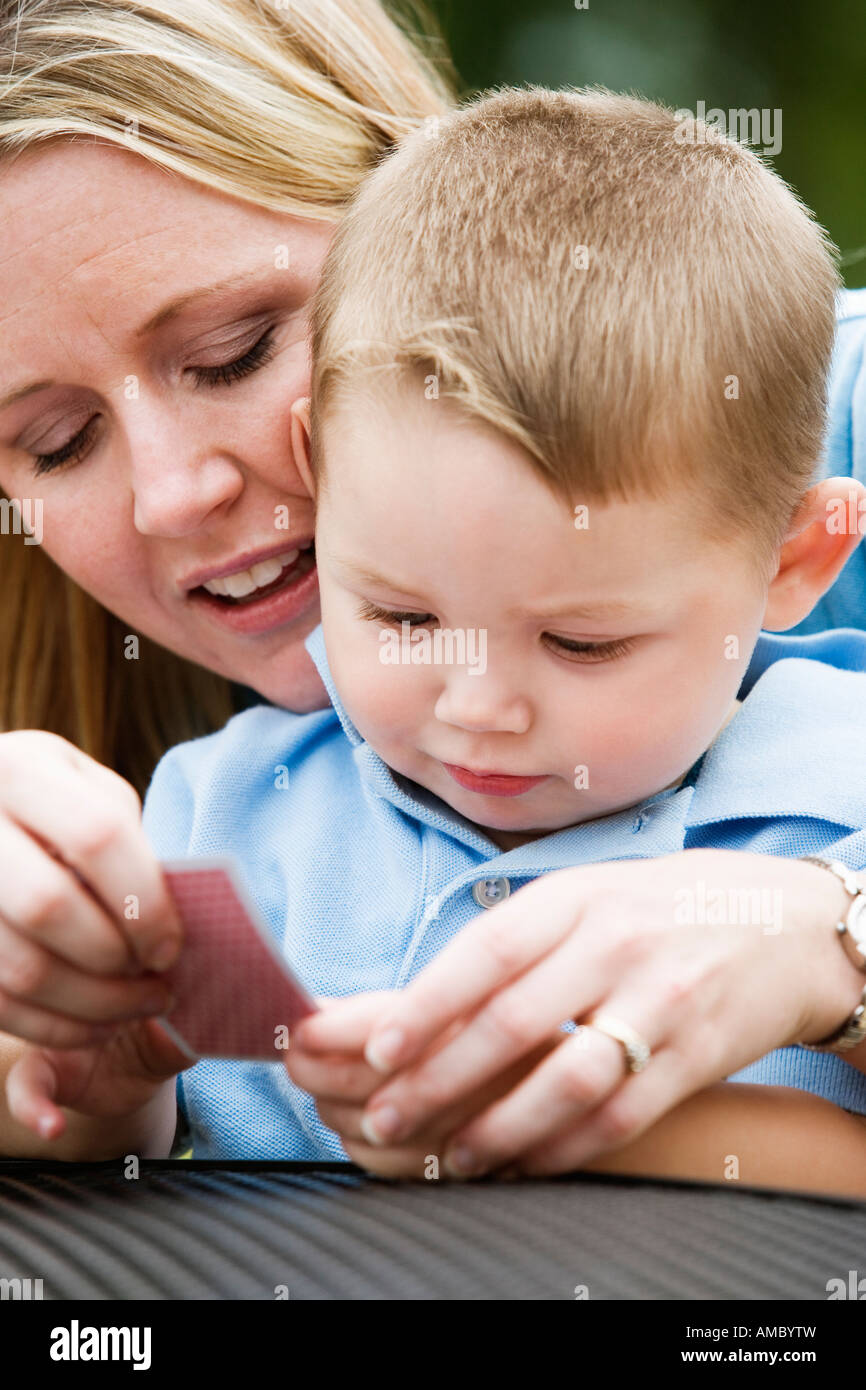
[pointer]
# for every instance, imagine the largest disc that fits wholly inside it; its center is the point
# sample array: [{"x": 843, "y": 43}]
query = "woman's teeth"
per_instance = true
[{"x": 246, "y": 582}]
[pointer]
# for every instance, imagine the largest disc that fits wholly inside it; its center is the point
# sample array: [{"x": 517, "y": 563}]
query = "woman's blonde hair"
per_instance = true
[{"x": 285, "y": 104}]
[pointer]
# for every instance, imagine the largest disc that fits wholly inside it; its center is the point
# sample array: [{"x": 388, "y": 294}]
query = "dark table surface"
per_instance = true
[{"x": 187, "y": 1230}]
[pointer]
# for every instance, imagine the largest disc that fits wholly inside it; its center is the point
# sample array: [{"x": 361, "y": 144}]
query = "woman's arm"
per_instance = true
[{"x": 772, "y": 1136}]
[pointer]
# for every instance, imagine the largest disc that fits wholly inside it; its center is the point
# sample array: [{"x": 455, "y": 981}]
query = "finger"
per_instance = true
[
  {"x": 622, "y": 1118},
  {"x": 341, "y": 1025},
  {"x": 383, "y": 1124},
  {"x": 44, "y": 900},
  {"x": 348, "y": 1121},
  {"x": 519, "y": 1016},
  {"x": 47, "y": 1029},
  {"x": 506, "y": 1026},
  {"x": 32, "y": 977},
  {"x": 98, "y": 833},
  {"x": 157, "y": 1055},
  {"x": 332, "y": 1077},
  {"x": 31, "y": 1084},
  {"x": 410, "y": 1162},
  {"x": 343, "y": 1118},
  {"x": 575, "y": 1078},
  {"x": 488, "y": 953}
]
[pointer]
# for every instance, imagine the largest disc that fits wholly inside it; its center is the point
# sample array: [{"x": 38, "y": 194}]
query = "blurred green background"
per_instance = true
[{"x": 807, "y": 59}]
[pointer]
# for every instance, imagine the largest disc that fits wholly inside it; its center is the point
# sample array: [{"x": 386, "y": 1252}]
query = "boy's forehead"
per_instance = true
[
  {"x": 396, "y": 459},
  {"x": 433, "y": 513}
]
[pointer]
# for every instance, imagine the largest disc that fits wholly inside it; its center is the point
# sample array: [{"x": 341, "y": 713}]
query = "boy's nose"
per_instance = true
[{"x": 480, "y": 705}]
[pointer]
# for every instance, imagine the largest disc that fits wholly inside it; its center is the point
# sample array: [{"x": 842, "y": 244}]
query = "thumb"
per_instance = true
[
  {"x": 31, "y": 1085},
  {"x": 160, "y": 1055}
]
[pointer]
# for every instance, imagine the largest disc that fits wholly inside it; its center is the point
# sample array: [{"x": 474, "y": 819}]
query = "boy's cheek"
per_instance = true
[{"x": 386, "y": 703}]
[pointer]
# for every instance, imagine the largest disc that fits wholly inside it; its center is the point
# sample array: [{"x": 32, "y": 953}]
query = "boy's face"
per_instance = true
[{"x": 599, "y": 659}]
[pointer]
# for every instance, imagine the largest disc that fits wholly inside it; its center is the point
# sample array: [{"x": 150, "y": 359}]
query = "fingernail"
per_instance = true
[
  {"x": 382, "y": 1052},
  {"x": 462, "y": 1162},
  {"x": 46, "y": 1125},
  {"x": 164, "y": 953},
  {"x": 382, "y": 1125}
]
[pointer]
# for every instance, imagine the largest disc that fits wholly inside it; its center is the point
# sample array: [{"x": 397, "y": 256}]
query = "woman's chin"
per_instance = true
[{"x": 291, "y": 681}]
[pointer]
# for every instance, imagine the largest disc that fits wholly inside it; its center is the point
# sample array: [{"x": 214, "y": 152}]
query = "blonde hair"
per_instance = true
[
  {"x": 285, "y": 106},
  {"x": 638, "y": 301}
]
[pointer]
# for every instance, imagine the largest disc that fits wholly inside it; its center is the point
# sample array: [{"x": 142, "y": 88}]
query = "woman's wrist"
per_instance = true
[{"x": 834, "y": 982}]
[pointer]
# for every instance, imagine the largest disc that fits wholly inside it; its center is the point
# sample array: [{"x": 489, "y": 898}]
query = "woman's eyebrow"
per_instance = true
[
  {"x": 21, "y": 391},
  {"x": 182, "y": 301},
  {"x": 162, "y": 316}
]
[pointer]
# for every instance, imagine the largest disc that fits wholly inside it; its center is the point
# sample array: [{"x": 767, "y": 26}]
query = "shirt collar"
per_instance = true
[{"x": 796, "y": 747}]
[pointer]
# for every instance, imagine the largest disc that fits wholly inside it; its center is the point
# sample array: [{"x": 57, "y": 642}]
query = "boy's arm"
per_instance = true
[{"x": 775, "y": 1136}]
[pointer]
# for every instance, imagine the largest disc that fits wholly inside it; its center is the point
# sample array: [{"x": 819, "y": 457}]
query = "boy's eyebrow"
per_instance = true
[
  {"x": 365, "y": 576},
  {"x": 610, "y": 608}
]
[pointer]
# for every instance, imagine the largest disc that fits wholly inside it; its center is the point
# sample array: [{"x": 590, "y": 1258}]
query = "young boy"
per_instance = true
[{"x": 568, "y": 394}]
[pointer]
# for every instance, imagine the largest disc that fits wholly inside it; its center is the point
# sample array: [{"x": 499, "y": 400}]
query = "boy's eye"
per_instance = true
[
  {"x": 587, "y": 653},
  {"x": 372, "y": 613},
  {"x": 222, "y": 375}
]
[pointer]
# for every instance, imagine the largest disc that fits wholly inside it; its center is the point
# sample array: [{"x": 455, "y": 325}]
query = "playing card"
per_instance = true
[{"x": 236, "y": 997}]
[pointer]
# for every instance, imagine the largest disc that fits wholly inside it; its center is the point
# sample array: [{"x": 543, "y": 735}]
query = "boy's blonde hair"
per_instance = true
[
  {"x": 283, "y": 105},
  {"x": 638, "y": 301}
]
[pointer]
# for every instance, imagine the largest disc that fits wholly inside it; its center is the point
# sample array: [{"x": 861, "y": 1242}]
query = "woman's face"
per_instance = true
[{"x": 154, "y": 338}]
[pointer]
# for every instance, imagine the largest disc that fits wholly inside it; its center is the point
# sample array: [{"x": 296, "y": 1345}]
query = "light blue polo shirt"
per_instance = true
[
  {"x": 364, "y": 877},
  {"x": 845, "y": 456}
]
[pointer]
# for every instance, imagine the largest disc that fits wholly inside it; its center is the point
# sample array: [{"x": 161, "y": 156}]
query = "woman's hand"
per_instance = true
[
  {"x": 86, "y": 922},
  {"x": 612, "y": 938},
  {"x": 342, "y": 1083},
  {"x": 128, "y": 1078}
]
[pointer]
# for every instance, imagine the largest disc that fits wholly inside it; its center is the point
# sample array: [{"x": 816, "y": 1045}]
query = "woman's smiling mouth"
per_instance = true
[{"x": 267, "y": 592}]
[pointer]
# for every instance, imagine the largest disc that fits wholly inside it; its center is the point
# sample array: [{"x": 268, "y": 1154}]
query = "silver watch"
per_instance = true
[{"x": 852, "y": 934}]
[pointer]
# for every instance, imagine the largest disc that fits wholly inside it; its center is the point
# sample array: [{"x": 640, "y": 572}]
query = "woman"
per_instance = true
[{"x": 169, "y": 186}]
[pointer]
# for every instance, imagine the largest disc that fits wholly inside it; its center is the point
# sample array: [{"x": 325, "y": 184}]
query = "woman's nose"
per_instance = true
[
  {"x": 483, "y": 704},
  {"x": 173, "y": 499}
]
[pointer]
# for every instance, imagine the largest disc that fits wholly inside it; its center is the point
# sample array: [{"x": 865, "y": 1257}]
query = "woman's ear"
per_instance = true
[
  {"x": 301, "y": 443},
  {"x": 827, "y": 528}
]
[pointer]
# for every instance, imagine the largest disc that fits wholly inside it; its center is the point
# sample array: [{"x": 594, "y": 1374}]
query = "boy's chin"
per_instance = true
[{"x": 504, "y": 814}]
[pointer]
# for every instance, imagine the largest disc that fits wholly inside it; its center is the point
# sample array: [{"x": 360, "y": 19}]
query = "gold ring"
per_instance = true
[{"x": 637, "y": 1050}]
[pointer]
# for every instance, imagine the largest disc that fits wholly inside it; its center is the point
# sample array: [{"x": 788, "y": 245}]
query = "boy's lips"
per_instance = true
[{"x": 491, "y": 783}]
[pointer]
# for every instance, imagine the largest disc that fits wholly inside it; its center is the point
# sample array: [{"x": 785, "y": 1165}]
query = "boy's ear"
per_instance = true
[
  {"x": 300, "y": 429},
  {"x": 828, "y": 526}
]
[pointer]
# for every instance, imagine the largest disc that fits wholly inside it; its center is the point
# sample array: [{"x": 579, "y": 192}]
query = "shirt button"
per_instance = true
[{"x": 490, "y": 891}]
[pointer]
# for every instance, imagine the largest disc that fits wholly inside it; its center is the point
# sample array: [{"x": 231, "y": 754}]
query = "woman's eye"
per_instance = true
[
  {"x": 374, "y": 614},
  {"x": 223, "y": 375},
  {"x": 587, "y": 653},
  {"x": 71, "y": 452}
]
